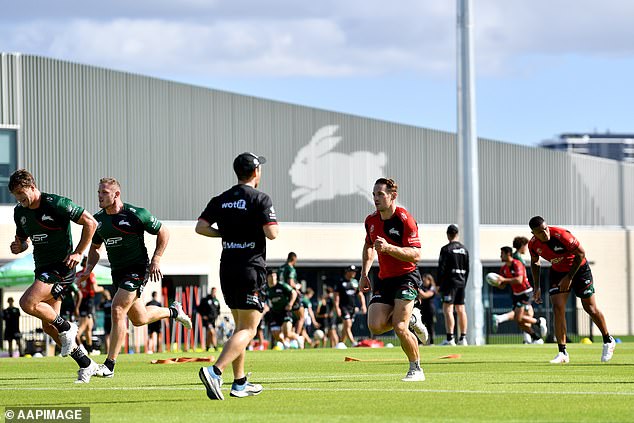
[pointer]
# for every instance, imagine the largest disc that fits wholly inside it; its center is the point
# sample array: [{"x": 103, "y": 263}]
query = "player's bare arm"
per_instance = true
[
  {"x": 408, "y": 254},
  {"x": 205, "y": 229},
  {"x": 535, "y": 268},
  {"x": 162, "y": 238},
  {"x": 89, "y": 226},
  {"x": 94, "y": 255},
  {"x": 271, "y": 231},
  {"x": 19, "y": 245},
  {"x": 367, "y": 257}
]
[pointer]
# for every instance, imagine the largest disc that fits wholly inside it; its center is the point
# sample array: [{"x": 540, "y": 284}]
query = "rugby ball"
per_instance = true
[
  {"x": 319, "y": 334},
  {"x": 492, "y": 279}
]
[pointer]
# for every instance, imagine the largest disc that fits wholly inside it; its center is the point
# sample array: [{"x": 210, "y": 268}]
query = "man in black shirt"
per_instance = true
[
  {"x": 244, "y": 219},
  {"x": 209, "y": 310},
  {"x": 453, "y": 272},
  {"x": 345, "y": 303},
  {"x": 153, "y": 328},
  {"x": 11, "y": 317}
]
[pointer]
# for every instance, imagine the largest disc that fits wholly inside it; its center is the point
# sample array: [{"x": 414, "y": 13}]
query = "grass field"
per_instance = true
[{"x": 509, "y": 383}]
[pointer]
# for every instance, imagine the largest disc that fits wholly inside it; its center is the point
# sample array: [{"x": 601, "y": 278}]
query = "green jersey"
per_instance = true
[
  {"x": 286, "y": 273},
  {"x": 279, "y": 296},
  {"x": 48, "y": 226},
  {"x": 517, "y": 256},
  {"x": 123, "y": 235}
]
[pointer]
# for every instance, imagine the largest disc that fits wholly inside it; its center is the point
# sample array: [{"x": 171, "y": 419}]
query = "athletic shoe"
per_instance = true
[
  {"x": 527, "y": 338},
  {"x": 68, "y": 340},
  {"x": 538, "y": 342},
  {"x": 247, "y": 389},
  {"x": 300, "y": 342},
  {"x": 561, "y": 358},
  {"x": 341, "y": 346},
  {"x": 447, "y": 342},
  {"x": 84, "y": 375},
  {"x": 417, "y": 326},
  {"x": 414, "y": 376},
  {"x": 104, "y": 371},
  {"x": 95, "y": 352},
  {"x": 543, "y": 327},
  {"x": 462, "y": 341},
  {"x": 182, "y": 317},
  {"x": 608, "y": 350},
  {"x": 496, "y": 323},
  {"x": 212, "y": 383}
]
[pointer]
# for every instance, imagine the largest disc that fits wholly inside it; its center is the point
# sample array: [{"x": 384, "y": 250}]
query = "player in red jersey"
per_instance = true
[
  {"x": 570, "y": 270},
  {"x": 513, "y": 273},
  {"x": 392, "y": 232}
]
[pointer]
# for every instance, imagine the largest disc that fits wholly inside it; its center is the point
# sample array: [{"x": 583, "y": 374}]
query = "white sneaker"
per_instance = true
[
  {"x": 527, "y": 339},
  {"x": 496, "y": 323},
  {"x": 462, "y": 341},
  {"x": 451, "y": 343},
  {"x": 608, "y": 350},
  {"x": 103, "y": 371},
  {"x": 212, "y": 383},
  {"x": 561, "y": 358},
  {"x": 84, "y": 375},
  {"x": 182, "y": 317},
  {"x": 68, "y": 340},
  {"x": 416, "y": 325},
  {"x": 543, "y": 327},
  {"x": 414, "y": 376},
  {"x": 341, "y": 346},
  {"x": 538, "y": 342},
  {"x": 247, "y": 390}
]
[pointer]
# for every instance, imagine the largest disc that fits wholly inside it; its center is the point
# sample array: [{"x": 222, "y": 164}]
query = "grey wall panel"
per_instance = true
[{"x": 171, "y": 145}]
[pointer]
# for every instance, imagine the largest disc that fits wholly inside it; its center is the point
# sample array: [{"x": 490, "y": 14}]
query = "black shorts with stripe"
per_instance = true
[{"x": 243, "y": 287}]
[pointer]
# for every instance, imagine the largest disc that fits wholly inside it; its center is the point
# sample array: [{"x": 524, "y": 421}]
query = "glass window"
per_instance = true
[{"x": 8, "y": 163}]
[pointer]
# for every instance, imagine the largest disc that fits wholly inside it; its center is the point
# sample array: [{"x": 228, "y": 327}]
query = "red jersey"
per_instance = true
[
  {"x": 87, "y": 287},
  {"x": 400, "y": 230},
  {"x": 559, "y": 250},
  {"x": 516, "y": 269}
]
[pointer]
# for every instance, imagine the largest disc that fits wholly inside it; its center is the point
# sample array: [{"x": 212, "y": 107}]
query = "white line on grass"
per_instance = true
[{"x": 305, "y": 389}]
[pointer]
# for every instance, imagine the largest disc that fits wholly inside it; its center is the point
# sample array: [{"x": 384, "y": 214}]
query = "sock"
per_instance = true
[
  {"x": 414, "y": 365},
  {"x": 449, "y": 336},
  {"x": 110, "y": 364},
  {"x": 462, "y": 336},
  {"x": 217, "y": 371},
  {"x": 61, "y": 324},
  {"x": 501, "y": 318},
  {"x": 240, "y": 381},
  {"x": 562, "y": 348},
  {"x": 80, "y": 358},
  {"x": 173, "y": 312}
]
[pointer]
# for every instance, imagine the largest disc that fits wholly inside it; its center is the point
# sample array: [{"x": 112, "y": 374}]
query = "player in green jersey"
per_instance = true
[
  {"x": 45, "y": 220},
  {"x": 121, "y": 227}
]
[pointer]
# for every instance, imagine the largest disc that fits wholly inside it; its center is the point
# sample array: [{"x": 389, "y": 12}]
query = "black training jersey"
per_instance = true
[
  {"x": 453, "y": 264},
  {"x": 241, "y": 212},
  {"x": 48, "y": 226},
  {"x": 123, "y": 234},
  {"x": 347, "y": 290}
]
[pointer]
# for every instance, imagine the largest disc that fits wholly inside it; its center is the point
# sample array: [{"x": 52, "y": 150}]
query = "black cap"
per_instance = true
[
  {"x": 246, "y": 163},
  {"x": 452, "y": 229},
  {"x": 351, "y": 268}
]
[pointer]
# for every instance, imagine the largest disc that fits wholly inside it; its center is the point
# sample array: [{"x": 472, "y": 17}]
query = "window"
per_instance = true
[{"x": 8, "y": 163}]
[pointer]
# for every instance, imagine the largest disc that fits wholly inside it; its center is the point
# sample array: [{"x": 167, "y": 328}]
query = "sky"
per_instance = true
[{"x": 543, "y": 67}]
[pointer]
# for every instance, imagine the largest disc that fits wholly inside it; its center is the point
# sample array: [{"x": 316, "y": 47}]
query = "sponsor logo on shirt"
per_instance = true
[
  {"x": 238, "y": 245},
  {"x": 23, "y": 220},
  {"x": 39, "y": 237},
  {"x": 45, "y": 217},
  {"x": 459, "y": 251},
  {"x": 238, "y": 204},
  {"x": 124, "y": 223},
  {"x": 113, "y": 242}
]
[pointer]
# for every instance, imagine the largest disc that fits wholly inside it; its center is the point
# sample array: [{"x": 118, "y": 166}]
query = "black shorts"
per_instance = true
[
  {"x": 582, "y": 283},
  {"x": 59, "y": 275},
  {"x": 277, "y": 318},
  {"x": 243, "y": 287},
  {"x": 404, "y": 287},
  {"x": 10, "y": 335},
  {"x": 132, "y": 278},
  {"x": 107, "y": 324},
  {"x": 522, "y": 300},
  {"x": 327, "y": 323},
  {"x": 210, "y": 322},
  {"x": 154, "y": 327},
  {"x": 87, "y": 307},
  {"x": 347, "y": 312},
  {"x": 450, "y": 294}
]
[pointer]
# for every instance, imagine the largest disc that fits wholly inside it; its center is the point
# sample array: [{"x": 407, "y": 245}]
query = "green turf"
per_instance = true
[{"x": 509, "y": 383}]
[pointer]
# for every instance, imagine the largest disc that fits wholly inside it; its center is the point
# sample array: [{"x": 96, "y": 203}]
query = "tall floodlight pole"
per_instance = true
[{"x": 468, "y": 153}]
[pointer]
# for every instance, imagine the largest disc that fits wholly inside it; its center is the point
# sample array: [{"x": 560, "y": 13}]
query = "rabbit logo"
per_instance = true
[{"x": 321, "y": 174}]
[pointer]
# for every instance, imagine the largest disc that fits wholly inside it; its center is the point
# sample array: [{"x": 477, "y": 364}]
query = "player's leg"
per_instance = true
[
  {"x": 450, "y": 323},
  {"x": 33, "y": 301},
  {"x": 609, "y": 344},
  {"x": 140, "y": 314},
  {"x": 121, "y": 303},
  {"x": 380, "y": 318},
  {"x": 409, "y": 343},
  {"x": 559, "y": 301}
]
